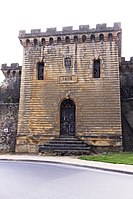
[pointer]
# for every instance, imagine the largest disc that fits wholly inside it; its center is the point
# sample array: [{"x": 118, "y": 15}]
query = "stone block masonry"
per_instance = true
[
  {"x": 8, "y": 124},
  {"x": 79, "y": 66}
]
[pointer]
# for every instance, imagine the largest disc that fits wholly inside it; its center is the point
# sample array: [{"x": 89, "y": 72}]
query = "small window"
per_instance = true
[
  {"x": 75, "y": 39},
  {"x": 21, "y": 42},
  {"x": 68, "y": 63},
  {"x": 58, "y": 40},
  {"x": 35, "y": 42},
  {"x": 13, "y": 73},
  {"x": 40, "y": 67},
  {"x": 8, "y": 73},
  {"x": 92, "y": 38},
  {"x": 51, "y": 41},
  {"x": 101, "y": 38},
  {"x": 96, "y": 69},
  {"x": 83, "y": 38},
  {"x": 27, "y": 42},
  {"x": 110, "y": 37},
  {"x": 67, "y": 40},
  {"x": 43, "y": 42},
  {"x": 20, "y": 73},
  {"x": 119, "y": 35}
]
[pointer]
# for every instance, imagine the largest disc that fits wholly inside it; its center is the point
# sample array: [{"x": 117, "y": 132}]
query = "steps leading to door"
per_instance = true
[{"x": 65, "y": 146}]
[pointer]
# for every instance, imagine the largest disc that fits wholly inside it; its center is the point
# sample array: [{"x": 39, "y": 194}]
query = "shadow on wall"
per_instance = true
[{"x": 1, "y": 77}]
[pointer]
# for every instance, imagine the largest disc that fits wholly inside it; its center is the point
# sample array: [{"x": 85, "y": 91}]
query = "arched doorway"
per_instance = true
[{"x": 67, "y": 118}]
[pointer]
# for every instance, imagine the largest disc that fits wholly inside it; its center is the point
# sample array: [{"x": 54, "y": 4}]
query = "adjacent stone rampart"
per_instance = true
[{"x": 8, "y": 126}]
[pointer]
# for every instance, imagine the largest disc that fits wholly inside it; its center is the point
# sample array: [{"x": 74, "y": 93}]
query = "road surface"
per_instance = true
[{"x": 24, "y": 180}]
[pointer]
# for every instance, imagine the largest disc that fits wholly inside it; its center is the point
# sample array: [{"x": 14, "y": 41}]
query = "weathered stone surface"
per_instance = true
[
  {"x": 9, "y": 98},
  {"x": 97, "y": 100},
  {"x": 98, "y": 112},
  {"x": 8, "y": 126}
]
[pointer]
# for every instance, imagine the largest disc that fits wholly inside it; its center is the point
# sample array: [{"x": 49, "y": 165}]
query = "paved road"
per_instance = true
[{"x": 23, "y": 180}]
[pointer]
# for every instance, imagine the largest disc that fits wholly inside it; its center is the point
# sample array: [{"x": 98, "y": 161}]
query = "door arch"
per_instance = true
[{"x": 67, "y": 118}]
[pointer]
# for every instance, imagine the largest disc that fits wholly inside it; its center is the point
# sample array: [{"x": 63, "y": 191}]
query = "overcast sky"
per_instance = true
[{"x": 18, "y": 15}]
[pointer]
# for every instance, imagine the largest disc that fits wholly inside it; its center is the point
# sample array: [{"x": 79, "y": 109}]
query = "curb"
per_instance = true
[{"x": 69, "y": 164}]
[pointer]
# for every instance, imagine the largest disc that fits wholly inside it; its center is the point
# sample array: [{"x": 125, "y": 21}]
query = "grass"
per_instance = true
[{"x": 116, "y": 158}]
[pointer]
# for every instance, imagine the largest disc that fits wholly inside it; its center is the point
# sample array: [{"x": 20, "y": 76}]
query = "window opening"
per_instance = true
[
  {"x": 27, "y": 42},
  {"x": 110, "y": 37},
  {"x": 68, "y": 63},
  {"x": 58, "y": 40},
  {"x": 75, "y": 39},
  {"x": 20, "y": 73},
  {"x": 96, "y": 69},
  {"x": 8, "y": 73},
  {"x": 101, "y": 38},
  {"x": 35, "y": 42},
  {"x": 14, "y": 73},
  {"x": 92, "y": 38},
  {"x": 43, "y": 42},
  {"x": 67, "y": 40},
  {"x": 40, "y": 70},
  {"x": 51, "y": 41},
  {"x": 83, "y": 38}
]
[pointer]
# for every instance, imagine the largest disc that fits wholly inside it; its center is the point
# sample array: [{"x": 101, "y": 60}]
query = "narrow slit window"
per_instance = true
[
  {"x": 83, "y": 38},
  {"x": 20, "y": 73},
  {"x": 51, "y": 41},
  {"x": 43, "y": 42},
  {"x": 75, "y": 39},
  {"x": 27, "y": 42},
  {"x": 96, "y": 69},
  {"x": 101, "y": 38},
  {"x": 14, "y": 73},
  {"x": 35, "y": 43},
  {"x": 68, "y": 62},
  {"x": 92, "y": 38},
  {"x": 40, "y": 70},
  {"x": 110, "y": 37},
  {"x": 67, "y": 40},
  {"x": 58, "y": 40},
  {"x": 8, "y": 73}
]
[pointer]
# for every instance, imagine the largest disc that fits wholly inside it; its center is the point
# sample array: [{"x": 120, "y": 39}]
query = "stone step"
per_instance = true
[
  {"x": 70, "y": 142},
  {"x": 65, "y": 145},
  {"x": 66, "y": 139},
  {"x": 78, "y": 147},
  {"x": 67, "y": 152}
]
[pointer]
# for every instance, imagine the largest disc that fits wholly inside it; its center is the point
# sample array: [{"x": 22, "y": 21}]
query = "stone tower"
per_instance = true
[
  {"x": 9, "y": 102},
  {"x": 70, "y": 87}
]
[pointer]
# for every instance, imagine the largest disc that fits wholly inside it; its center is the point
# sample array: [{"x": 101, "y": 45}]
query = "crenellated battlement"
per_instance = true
[
  {"x": 69, "y": 30},
  {"x": 11, "y": 71},
  {"x": 13, "y": 66},
  {"x": 126, "y": 66},
  {"x": 123, "y": 61}
]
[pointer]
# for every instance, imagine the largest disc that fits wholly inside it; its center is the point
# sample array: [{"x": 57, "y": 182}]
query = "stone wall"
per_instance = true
[
  {"x": 126, "y": 87},
  {"x": 9, "y": 103},
  {"x": 8, "y": 126},
  {"x": 126, "y": 78},
  {"x": 127, "y": 124},
  {"x": 97, "y": 100}
]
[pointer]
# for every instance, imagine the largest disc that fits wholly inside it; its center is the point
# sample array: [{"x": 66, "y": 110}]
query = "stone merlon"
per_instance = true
[
  {"x": 13, "y": 66},
  {"x": 123, "y": 61},
  {"x": 69, "y": 30}
]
